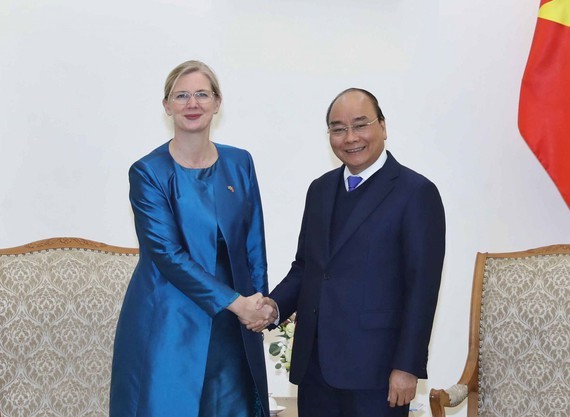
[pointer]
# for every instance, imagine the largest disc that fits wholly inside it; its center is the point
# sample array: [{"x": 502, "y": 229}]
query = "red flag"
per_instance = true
[{"x": 544, "y": 107}]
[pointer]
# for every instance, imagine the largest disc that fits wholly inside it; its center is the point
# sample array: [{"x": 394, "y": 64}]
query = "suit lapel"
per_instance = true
[{"x": 370, "y": 200}]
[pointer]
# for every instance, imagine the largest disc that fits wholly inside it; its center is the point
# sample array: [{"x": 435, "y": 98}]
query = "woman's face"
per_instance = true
[{"x": 192, "y": 117}]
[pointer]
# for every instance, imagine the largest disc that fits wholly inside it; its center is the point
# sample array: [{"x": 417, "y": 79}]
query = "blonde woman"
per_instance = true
[{"x": 180, "y": 350}]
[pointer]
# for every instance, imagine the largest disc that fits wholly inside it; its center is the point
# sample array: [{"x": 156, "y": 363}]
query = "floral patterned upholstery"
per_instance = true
[
  {"x": 59, "y": 304},
  {"x": 519, "y": 359}
]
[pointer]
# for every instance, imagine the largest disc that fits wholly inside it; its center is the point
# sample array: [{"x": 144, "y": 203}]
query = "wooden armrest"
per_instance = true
[{"x": 451, "y": 397}]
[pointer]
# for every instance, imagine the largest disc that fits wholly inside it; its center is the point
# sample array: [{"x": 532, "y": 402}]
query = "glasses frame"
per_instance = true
[
  {"x": 342, "y": 132},
  {"x": 209, "y": 100}
]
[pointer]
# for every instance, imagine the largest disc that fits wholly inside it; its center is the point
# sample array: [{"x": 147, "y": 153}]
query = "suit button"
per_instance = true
[
  {"x": 314, "y": 311},
  {"x": 326, "y": 276}
]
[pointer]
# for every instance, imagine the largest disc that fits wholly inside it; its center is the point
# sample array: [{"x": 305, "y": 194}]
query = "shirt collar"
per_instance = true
[{"x": 368, "y": 172}]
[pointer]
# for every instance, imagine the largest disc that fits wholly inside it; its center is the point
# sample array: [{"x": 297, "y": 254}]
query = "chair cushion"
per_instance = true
[
  {"x": 58, "y": 313},
  {"x": 524, "y": 354}
]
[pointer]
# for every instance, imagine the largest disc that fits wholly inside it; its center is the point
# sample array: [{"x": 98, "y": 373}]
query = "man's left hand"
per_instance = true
[{"x": 402, "y": 388}]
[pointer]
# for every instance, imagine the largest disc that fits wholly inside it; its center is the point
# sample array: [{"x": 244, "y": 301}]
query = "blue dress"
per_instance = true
[
  {"x": 178, "y": 351},
  {"x": 228, "y": 387}
]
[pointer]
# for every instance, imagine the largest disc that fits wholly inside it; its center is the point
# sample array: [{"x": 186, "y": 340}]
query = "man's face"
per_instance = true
[{"x": 359, "y": 147}]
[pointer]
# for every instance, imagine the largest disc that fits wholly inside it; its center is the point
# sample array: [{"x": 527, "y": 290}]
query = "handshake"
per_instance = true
[{"x": 256, "y": 312}]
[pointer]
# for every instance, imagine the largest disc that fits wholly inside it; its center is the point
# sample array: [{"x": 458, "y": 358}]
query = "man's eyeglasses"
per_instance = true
[
  {"x": 340, "y": 132},
  {"x": 183, "y": 97}
]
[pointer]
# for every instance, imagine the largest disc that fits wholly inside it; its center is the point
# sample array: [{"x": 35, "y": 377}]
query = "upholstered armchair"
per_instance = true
[
  {"x": 518, "y": 362},
  {"x": 59, "y": 303}
]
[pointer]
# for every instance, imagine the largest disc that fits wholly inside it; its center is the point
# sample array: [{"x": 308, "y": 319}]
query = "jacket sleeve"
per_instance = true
[
  {"x": 423, "y": 248},
  {"x": 158, "y": 232}
]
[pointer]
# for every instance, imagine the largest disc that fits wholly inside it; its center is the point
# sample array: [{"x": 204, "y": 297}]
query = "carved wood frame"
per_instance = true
[{"x": 67, "y": 243}]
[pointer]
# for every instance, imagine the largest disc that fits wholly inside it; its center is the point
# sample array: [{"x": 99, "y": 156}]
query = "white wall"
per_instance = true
[{"x": 80, "y": 98}]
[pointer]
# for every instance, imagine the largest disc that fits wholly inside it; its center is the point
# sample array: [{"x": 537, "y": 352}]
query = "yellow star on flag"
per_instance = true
[{"x": 557, "y": 11}]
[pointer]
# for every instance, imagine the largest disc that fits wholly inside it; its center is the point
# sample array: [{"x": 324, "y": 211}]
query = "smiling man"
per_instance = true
[{"x": 366, "y": 275}]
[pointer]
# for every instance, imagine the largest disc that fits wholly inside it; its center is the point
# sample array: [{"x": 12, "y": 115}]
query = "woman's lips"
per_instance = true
[{"x": 192, "y": 116}]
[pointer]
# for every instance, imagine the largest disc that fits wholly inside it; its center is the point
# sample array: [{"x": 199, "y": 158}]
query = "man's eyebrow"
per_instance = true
[{"x": 356, "y": 119}]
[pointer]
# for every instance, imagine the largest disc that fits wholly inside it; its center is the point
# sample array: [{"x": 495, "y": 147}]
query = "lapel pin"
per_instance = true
[{"x": 231, "y": 188}]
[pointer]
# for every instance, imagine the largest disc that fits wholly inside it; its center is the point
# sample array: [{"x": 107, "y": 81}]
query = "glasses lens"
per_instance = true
[
  {"x": 338, "y": 132},
  {"x": 181, "y": 97},
  {"x": 202, "y": 96},
  {"x": 361, "y": 127}
]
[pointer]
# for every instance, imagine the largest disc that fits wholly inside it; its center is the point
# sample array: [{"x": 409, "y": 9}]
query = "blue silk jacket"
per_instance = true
[{"x": 163, "y": 332}]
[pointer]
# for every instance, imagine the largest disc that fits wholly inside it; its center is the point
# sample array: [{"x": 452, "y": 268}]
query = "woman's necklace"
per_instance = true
[{"x": 206, "y": 162}]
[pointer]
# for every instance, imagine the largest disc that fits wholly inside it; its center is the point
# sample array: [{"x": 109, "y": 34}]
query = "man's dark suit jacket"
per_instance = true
[{"x": 370, "y": 300}]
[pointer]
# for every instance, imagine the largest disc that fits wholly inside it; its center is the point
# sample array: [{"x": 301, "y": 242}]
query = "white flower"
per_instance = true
[{"x": 290, "y": 330}]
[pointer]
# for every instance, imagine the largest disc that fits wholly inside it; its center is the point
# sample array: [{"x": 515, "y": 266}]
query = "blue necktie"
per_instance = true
[{"x": 353, "y": 181}]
